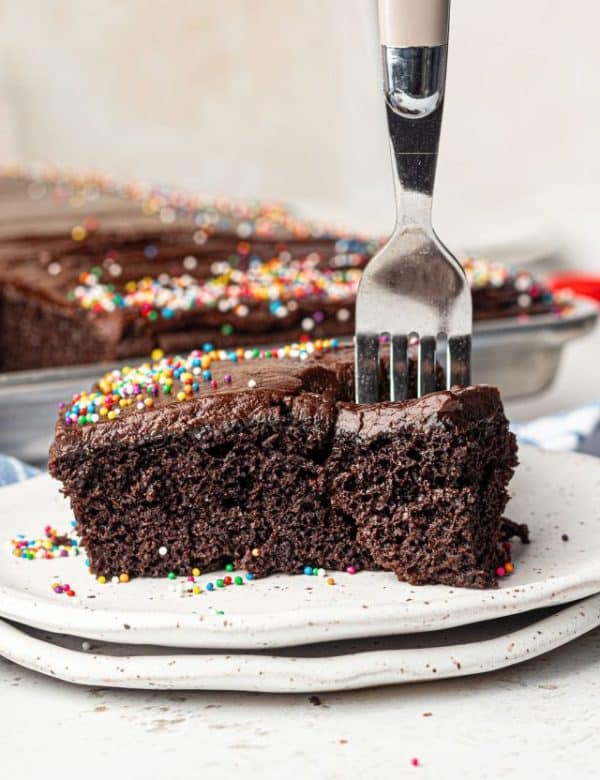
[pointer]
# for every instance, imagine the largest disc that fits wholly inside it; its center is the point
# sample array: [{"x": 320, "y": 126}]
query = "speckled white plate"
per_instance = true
[
  {"x": 555, "y": 493},
  {"x": 346, "y": 665}
]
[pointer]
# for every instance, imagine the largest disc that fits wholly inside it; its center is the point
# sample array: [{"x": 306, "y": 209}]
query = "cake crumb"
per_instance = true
[{"x": 427, "y": 714}]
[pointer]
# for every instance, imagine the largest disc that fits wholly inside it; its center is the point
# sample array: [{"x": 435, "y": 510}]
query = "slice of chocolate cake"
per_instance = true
[{"x": 261, "y": 459}]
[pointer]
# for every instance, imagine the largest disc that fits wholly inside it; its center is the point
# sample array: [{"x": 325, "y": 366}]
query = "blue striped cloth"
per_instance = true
[
  {"x": 13, "y": 470},
  {"x": 570, "y": 430}
]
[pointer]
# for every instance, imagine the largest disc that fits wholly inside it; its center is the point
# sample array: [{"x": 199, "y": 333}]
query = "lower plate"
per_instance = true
[
  {"x": 555, "y": 493},
  {"x": 336, "y": 666}
]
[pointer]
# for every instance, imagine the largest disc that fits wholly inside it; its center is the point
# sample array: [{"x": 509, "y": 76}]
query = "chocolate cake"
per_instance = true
[
  {"x": 91, "y": 272},
  {"x": 260, "y": 458}
]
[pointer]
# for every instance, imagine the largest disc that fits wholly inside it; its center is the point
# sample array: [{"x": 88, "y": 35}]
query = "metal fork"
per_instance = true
[{"x": 413, "y": 291}]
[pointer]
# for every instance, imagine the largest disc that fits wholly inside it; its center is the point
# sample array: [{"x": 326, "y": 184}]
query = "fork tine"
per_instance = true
[
  {"x": 459, "y": 358},
  {"x": 399, "y": 368},
  {"x": 426, "y": 366},
  {"x": 442, "y": 361},
  {"x": 366, "y": 362}
]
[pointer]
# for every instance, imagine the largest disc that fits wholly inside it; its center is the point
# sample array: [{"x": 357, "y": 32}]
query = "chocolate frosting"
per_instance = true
[{"x": 319, "y": 388}]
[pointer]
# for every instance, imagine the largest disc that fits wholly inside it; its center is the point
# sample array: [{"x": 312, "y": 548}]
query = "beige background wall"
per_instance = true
[{"x": 280, "y": 98}]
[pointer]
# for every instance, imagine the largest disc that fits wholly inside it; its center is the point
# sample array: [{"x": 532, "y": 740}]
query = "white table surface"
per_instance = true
[{"x": 537, "y": 720}]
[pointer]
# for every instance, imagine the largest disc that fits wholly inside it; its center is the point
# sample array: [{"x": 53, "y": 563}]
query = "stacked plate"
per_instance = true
[{"x": 291, "y": 634}]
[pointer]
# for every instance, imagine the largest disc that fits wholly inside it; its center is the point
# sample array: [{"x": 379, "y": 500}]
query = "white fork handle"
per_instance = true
[{"x": 413, "y": 22}]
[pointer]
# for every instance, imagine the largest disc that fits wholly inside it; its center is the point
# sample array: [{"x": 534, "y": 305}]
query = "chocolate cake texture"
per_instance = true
[
  {"x": 91, "y": 272},
  {"x": 261, "y": 459}
]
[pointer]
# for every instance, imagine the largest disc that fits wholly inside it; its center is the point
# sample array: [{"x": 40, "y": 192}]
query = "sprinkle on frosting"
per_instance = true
[
  {"x": 246, "y": 219},
  {"x": 487, "y": 273},
  {"x": 273, "y": 283},
  {"x": 278, "y": 284},
  {"x": 176, "y": 376}
]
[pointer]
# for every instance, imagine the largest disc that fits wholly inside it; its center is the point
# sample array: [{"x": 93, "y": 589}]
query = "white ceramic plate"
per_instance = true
[
  {"x": 554, "y": 493},
  {"x": 345, "y": 665}
]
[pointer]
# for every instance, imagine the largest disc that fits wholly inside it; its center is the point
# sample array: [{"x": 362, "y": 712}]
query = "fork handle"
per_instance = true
[
  {"x": 413, "y": 22},
  {"x": 414, "y": 35}
]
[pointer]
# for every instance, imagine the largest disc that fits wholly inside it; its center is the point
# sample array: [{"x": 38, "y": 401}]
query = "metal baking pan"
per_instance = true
[{"x": 520, "y": 357}]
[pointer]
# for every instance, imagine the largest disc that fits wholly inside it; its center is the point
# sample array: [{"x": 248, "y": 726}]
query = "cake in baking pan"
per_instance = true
[{"x": 91, "y": 272}]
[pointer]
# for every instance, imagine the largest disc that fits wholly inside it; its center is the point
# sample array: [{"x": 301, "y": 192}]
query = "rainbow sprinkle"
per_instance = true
[
  {"x": 482, "y": 273},
  {"x": 245, "y": 219},
  {"x": 51, "y": 545},
  {"x": 277, "y": 284},
  {"x": 176, "y": 377},
  {"x": 58, "y": 587}
]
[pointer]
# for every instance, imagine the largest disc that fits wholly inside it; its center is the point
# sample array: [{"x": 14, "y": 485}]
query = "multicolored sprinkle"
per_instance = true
[
  {"x": 62, "y": 588},
  {"x": 180, "y": 378},
  {"x": 250, "y": 218},
  {"x": 482, "y": 273},
  {"x": 51, "y": 545},
  {"x": 278, "y": 284}
]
